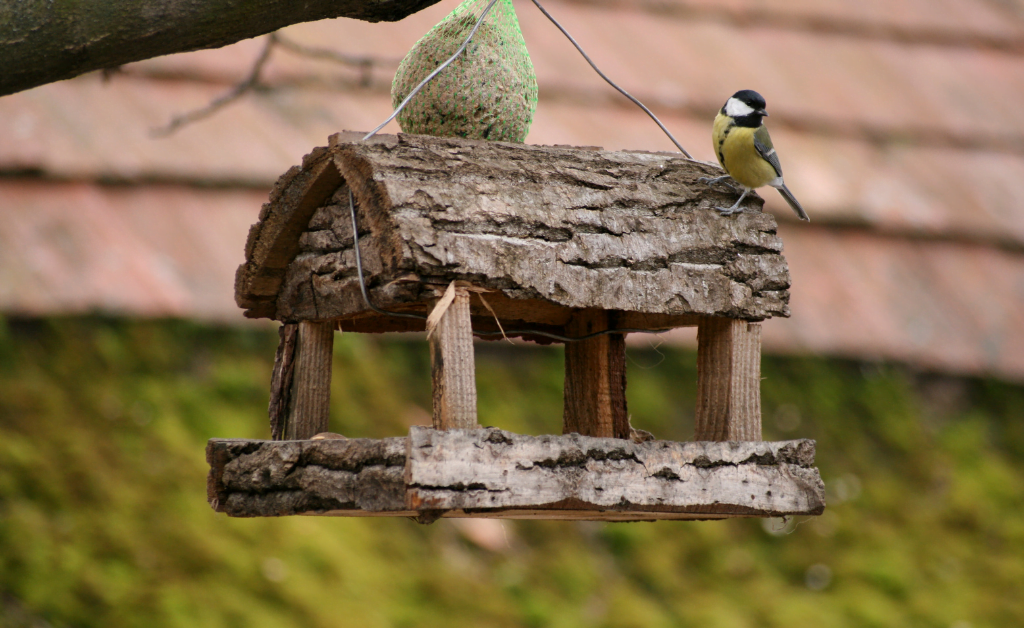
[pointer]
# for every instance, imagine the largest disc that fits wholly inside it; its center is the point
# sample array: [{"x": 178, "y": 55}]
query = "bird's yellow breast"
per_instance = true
[{"x": 734, "y": 147}]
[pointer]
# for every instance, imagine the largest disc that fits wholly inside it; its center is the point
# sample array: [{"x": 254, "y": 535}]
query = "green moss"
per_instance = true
[{"x": 104, "y": 521}]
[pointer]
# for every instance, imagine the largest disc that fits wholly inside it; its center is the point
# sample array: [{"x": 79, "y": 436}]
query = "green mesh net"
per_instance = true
[{"x": 489, "y": 92}]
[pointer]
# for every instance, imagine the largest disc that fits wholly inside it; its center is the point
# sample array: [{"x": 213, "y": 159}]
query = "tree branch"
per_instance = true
[{"x": 42, "y": 41}]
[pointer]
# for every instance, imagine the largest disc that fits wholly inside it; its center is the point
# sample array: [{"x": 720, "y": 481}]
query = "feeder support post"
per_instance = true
[
  {"x": 595, "y": 378},
  {"x": 311, "y": 388},
  {"x": 452, "y": 366},
  {"x": 281, "y": 379},
  {"x": 728, "y": 380}
]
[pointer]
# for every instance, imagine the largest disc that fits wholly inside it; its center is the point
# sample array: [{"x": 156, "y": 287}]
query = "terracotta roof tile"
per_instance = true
[
  {"x": 948, "y": 306},
  {"x": 973, "y": 16},
  {"x": 86, "y": 129},
  {"x": 884, "y": 84},
  {"x": 804, "y": 74},
  {"x": 160, "y": 250},
  {"x": 154, "y": 250},
  {"x": 908, "y": 154}
]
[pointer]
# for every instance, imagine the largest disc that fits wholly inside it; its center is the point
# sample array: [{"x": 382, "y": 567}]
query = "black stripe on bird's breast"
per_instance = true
[{"x": 721, "y": 141}]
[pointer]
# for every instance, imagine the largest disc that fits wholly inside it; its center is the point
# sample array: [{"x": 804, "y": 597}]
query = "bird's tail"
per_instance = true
[{"x": 795, "y": 204}]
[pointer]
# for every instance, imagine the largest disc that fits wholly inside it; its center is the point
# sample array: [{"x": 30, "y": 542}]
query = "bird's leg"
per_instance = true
[
  {"x": 717, "y": 180},
  {"x": 735, "y": 209}
]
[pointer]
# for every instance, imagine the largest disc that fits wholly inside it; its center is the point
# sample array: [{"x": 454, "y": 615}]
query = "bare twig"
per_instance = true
[
  {"x": 250, "y": 83},
  {"x": 366, "y": 64}
]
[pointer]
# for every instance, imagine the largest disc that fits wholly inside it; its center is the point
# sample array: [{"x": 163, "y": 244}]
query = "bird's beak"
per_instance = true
[{"x": 761, "y": 112}]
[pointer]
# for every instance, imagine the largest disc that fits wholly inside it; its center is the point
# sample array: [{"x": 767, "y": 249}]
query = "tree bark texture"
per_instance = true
[
  {"x": 251, "y": 478},
  {"x": 493, "y": 473},
  {"x": 45, "y": 41},
  {"x": 548, "y": 230},
  {"x": 281, "y": 380}
]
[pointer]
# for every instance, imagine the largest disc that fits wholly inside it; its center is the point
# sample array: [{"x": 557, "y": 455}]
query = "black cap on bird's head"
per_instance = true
[{"x": 746, "y": 107}]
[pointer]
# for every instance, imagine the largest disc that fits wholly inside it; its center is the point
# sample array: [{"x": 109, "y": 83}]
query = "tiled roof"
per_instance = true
[
  {"x": 151, "y": 250},
  {"x": 898, "y": 123}
]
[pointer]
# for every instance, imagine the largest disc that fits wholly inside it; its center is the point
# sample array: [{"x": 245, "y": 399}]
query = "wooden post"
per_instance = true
[
  {"x": 595, "y": 379},
  {"x": 728, "y": 380},
  {"x": 311, "y": 389},
  {"x": 281, "y": 379},
  {"x": 452, "y": 367}
]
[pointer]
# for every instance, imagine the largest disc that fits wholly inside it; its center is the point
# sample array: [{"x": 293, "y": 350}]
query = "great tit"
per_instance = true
[{"x": 745, "y": 150}]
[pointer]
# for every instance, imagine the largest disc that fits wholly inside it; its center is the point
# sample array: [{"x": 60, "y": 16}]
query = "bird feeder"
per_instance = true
[{"x": 543, "y": 242}]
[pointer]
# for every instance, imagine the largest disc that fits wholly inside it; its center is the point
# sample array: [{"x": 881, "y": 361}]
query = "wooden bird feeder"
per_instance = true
[{"x": 556, "y": 240}]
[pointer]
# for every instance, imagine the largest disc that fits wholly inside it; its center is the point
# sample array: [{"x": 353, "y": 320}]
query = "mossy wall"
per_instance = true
[{"x": 104, "y": 521}]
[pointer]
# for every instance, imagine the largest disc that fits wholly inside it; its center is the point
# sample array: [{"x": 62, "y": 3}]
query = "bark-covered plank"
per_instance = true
[
  {"x": 281, "y": 380},
  {"x": 476, "y": 469},
  {"x": 492, "y": 473},
  {"x": 272, "y": 478},
  {"x": 562, "y": 227}
]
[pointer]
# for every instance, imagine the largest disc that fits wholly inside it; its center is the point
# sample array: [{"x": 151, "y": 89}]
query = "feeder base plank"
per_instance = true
[
  {"x": 254, "y": 478},
  {"x": 471, "y": 469},
  {"x": 496, "y": 474}
]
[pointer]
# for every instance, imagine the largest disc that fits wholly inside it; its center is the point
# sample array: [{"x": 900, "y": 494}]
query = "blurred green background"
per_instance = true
[{"x": 104, "y": 520}]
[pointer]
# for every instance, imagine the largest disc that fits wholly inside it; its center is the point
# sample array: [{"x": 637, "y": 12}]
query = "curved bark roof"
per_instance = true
[{"x": 543, "y": 230}]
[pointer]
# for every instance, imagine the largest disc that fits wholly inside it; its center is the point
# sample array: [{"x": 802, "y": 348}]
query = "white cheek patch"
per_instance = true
[{"x": 737, "y": 108}]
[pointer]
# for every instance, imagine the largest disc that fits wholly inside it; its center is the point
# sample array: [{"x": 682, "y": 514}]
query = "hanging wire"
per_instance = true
[
  {"x": 611, "y": 82},
  {"x": 530, "y": 332},
  {"x": 480, "y": 21},
  {"x": 430, "y": 76},
  {"x": 359, "y": 267}
]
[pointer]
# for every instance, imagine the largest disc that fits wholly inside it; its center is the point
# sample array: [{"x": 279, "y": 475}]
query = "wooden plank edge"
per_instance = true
[{"x": 384, "y": 490}]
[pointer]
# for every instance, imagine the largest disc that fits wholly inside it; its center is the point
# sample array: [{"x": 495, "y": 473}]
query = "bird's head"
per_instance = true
[{"x": 746, "y": 107}]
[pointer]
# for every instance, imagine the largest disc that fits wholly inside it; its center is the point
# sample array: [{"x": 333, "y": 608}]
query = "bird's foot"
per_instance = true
[
  {"x": 723, "y": 180},
  {"x": 735, "y": 209}
]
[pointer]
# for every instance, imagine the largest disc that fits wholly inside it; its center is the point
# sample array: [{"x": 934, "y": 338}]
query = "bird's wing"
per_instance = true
[{"x": 763, "y": 144}]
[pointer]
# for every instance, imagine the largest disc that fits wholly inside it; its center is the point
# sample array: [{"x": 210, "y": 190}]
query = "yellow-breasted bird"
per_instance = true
[{"x": 745, "y": 150}]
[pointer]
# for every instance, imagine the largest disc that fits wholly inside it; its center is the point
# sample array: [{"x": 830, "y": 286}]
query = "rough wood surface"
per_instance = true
[
  {"x": 311, "y": 385},
  {"x": 496, "y": 469},
  {"x": 493, "y": 473},
  {"x": 452, "y": 367},
  {"x": 252, "y": 478},
  {"x": 273, "y": 241},
  {"x": 558, "y": 227},
  {"x": 44, "y": 41},
  {"x": 728, "y": 380},
  {"x": 595, "y": 379},
  {"x": 281, "y": 380}
]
